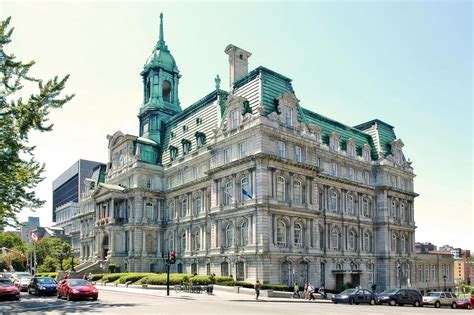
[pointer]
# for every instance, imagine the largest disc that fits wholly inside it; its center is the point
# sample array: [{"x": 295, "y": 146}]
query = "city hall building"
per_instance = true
[{"x": 249, "y": 182}]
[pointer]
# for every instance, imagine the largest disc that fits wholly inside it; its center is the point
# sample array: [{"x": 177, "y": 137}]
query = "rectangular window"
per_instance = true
[
  {"x": 195, "y": 172},
  {"x": 281, "y": 149},
  {"x": 366, "y": 155},
  {"x": 318, "y": 161},
  {"x": 298, "y": 154},
  {"x": 234, "y": 119},
  {"x": 182, "y": 177},
  {"x": 289, "y": 117},
  {"x": 334, "y": 169},
  {"x": 366, "y": 178},
  {"x": 351, "y": 173},
  {"x": 145, "y": 128},
  {"x": 242, "y": 149},
  {"x": 227, "y": 155}
]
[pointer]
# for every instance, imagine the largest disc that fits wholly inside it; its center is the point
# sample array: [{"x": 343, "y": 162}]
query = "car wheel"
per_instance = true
[
  {"x": 94, "y": 299},
  {"x": 454, "y": 305},
  {"x": 68, "y": 297},
  {"x": 372, "y": 302},
  {"x": 469, "y": 306},
  {"x": 416, "y": 304},
  {"x": 351, "y": 301},
  {"x": 437, "y": 304},
  {"x": 392, "y": 303},
  {"x": 335, "y": 302}
]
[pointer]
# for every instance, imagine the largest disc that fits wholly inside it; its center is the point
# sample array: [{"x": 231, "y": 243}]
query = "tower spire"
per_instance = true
[{"x": 161, "y": 42}]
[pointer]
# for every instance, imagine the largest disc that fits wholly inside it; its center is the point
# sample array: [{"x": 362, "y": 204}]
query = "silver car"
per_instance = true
[
  {"x": 438, "y": 299},
  {"x": 22, "y": 280}
]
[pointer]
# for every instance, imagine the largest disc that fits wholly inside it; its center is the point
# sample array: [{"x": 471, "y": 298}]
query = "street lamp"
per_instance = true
[{"x": 444, "y": 279}]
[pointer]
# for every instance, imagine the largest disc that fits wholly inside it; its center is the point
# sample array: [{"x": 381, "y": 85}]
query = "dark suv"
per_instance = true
[{"x": 400, "y": 297}]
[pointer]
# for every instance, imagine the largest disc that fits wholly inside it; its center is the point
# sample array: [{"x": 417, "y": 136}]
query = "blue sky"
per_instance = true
[{"x": 408, "y": 63}]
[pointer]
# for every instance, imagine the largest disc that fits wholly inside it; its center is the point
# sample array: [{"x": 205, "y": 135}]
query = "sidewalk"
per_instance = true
[{"x": 226, "y": 295}]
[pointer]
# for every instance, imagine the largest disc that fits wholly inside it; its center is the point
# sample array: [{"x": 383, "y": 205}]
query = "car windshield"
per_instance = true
[
  {"x": 22, "y": 274},
  {"x": 5, "y": 283},
  {"x": 46, "y": 281},
  {"x": 347, "y": 292},
  {"x": 7, "y": 275},
  {"x": 389, "y": 291},
  {"x": 434, "y": 294},
  {"x": 77, "y": 283}
]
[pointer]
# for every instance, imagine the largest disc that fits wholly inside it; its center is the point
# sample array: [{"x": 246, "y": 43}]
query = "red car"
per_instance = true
[
  {"x": 8, "y": 290},
  {"x": 466, "y": 303},
  {"x": 72, "y": 289}
]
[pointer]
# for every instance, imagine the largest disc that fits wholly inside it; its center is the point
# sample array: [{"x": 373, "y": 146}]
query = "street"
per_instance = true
[{"x": 137, "y": 301}]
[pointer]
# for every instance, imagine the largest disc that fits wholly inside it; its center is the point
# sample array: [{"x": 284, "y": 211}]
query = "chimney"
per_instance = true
[{"x": 238, "y": 63}]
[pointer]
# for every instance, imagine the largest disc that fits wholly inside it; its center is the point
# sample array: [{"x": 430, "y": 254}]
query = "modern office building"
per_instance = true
[
  {"x": 249, "y": 182},
  {"x": 70, "y": 184}
]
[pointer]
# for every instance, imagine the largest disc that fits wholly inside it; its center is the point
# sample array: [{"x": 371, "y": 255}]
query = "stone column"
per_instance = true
[
  {"x": 253, "y": 234},
  {"x": 234, "y": 183},
  {"x": 112, "y": 208},
  {"x": 308, "y": 242},
  {"x": 144, "y": 253}
]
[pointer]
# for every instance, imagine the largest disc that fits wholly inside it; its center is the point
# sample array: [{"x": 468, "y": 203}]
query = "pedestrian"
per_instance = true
[
  {"x": 305, "y": 292},
  {"x": 310, "y": 291},
  {"x": 257, "y": 289},
  {"x": 296, "y": 291},
  {"x": 322, "y": 291}
]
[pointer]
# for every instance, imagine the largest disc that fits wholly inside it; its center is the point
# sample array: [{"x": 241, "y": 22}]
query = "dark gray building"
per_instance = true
[{"x": 70, "y": 184}]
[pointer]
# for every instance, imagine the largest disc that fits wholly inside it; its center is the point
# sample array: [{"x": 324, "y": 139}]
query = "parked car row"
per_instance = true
[
  {"x": 402, "y": 296},
  {"x": 70, "y": 289}
]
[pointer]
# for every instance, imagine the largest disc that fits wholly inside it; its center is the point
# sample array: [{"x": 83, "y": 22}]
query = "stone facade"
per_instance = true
[
  {"x": 248, "y": 183},
  {"x": 434, "y": 272}
]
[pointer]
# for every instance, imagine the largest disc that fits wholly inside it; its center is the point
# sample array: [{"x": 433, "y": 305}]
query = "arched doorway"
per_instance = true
[{"x": 105, "y": 247}]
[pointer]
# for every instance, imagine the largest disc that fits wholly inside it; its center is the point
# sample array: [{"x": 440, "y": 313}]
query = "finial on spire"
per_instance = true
[
  {"x": 218, "y": 82},
  {"x": 161, "y": 42}
]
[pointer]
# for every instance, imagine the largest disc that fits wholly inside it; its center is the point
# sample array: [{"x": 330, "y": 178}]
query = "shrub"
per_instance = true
[
  {"x": 277, "y": 287},
  {"x": 111, "y": 277},
  {"x": 218, "y": 279},
  {"x": 160, "y": 279},
  {"x": 133, "y": 277},
  {"x": 201, "y": 280},
  {"x": 112, "y": 268},
  {"x": 97, "y": 277},
  {"x": 47, "y": 274},
  {"x": 472, "y": 292}
]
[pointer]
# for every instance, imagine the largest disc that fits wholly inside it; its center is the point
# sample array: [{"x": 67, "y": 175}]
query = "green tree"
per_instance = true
[
  {"x": 20, "y": 173},
  {"x": 50, "y": 264},
  {"x": 10, "y": 240},
  {"x": 54, "y": 247}
]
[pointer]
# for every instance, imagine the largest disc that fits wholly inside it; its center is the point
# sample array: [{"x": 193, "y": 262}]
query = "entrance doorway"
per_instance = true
[
  {"x": 339, "y": 282},
  {"x": 355, "y": 279},
  {"x": 105, "y": 247}
]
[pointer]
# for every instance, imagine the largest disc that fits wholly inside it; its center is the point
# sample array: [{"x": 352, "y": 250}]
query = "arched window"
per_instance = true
[
  {"x": 171, "y": 210},
  {"x": 366, "y": 242},
  {"x": 170, "y": 241},
  {"x": 149, "y": 210},
  {"x": 244, "y": 189},
  {"x": 229, "y": 235},
  {"x": 402, "y": 212},
  {"x": 281, "y": 183},
  {"x": 366, "y": 207},
  {"x": 197, "y": 204},
  {"x": 335, "y": 239},
  {"x": 297, "y": 192},
  {"x": 182, "y": 241},
  {"x": 281, "y": 233},
  {"x": 244, "y": 234},
  {"x": 166, "y": 91},
  {"x": 194, "y": 268},
  {"x": 403, "y": 245},
  {"x": 229, "y": 187},
  {"x": 225, "y": 268},
  {"x": 196, "y": 240},
  {"x": 393, "y": 209},
  {"x": 394, "y": 242},
  {"x": 333, "y": 202},
  {"x": 240, "y": 271},
  {"x": 184, "y": 207},
  {"x": 298, "y": 235},
  {"x": 352, "y": 241},
  {"x": 350, "y": 204}
]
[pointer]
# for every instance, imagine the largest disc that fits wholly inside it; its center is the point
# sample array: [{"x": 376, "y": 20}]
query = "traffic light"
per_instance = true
[{"x": 172, "y": 258}]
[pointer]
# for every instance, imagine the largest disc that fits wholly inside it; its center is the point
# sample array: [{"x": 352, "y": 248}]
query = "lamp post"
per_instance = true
[
  {"x": 444, "y": 279},
  {"x": 399, "y": 268}
]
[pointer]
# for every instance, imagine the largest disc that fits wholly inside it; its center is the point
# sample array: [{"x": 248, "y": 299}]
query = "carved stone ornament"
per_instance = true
[
  {"x": 314, "y": 128},
  {"x": 273, "y": 116}
]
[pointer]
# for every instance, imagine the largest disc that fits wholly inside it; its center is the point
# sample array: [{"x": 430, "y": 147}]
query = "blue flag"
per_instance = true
[{"x": 246, "y": 193}]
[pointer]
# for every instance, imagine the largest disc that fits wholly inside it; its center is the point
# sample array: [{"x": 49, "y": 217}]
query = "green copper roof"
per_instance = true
[
  {"x": 161, "y": 56},
  {"x": 382, "y": 134}
]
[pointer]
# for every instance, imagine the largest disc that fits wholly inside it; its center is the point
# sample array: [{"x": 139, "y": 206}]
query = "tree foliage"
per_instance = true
[
  {"x": 20, "y": 173},
  {"x": 53, "y": 247}
]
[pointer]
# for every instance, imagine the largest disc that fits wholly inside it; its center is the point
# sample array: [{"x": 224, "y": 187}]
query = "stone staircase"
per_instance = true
[{"x": 90, "y": 267}]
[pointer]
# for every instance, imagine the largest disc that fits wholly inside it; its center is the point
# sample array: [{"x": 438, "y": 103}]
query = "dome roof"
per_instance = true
[{"x": 161, "y": 57}]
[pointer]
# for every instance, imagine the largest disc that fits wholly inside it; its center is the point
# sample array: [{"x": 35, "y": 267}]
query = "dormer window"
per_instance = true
[
  {"x": 173, "y": 153},
  {"x": 366, "y": 153},
  {"x": 289, "y": 117},
  {"x": 200, "y": 139},
  {"x": 234, "y": 119},
  {"x": 351, "y": 147},
  {"x": 172, "y": 135},
  {"x": 185, "y": 128},
  {"x": 334, "y": 142},
  {"x": 186, "y": 146},
  {"x": 166, "y": 91}
]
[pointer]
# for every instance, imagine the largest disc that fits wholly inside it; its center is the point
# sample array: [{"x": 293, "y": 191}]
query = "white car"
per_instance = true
[
  {"x": 22, "y": 280},
  {"x": 438, "y": 299}
]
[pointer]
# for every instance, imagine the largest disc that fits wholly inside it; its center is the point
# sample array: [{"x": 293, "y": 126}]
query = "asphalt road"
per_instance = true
[{"x": 132, "y": 302}]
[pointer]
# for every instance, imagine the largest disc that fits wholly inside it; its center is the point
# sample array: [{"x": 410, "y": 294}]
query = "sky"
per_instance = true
[{"x": 408, "y": 63}]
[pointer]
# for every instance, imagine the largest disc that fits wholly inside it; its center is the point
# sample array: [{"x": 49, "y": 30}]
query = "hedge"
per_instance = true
[
  {"x": 201, "y": 280},
  {"x": 218, "y": 279},
  {"x": 133, "y": 277},
  {"x": 160, "y": 279},
  {"x": 97, "y": 277},
  {"x": 237, "y": 284},
  {"x": 111, "y": 277},
  {"x": 46, "y": 274},
  {"x": 276, "y": 287}
]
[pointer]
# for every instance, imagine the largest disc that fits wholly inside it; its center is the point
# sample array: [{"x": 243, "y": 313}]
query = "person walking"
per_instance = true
[
  {"x": 310, "y": 291},
  {"x": 305, "y": 291},
  {"x": 296, "y": 291},
  {"x": 257, "y": 289}
]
